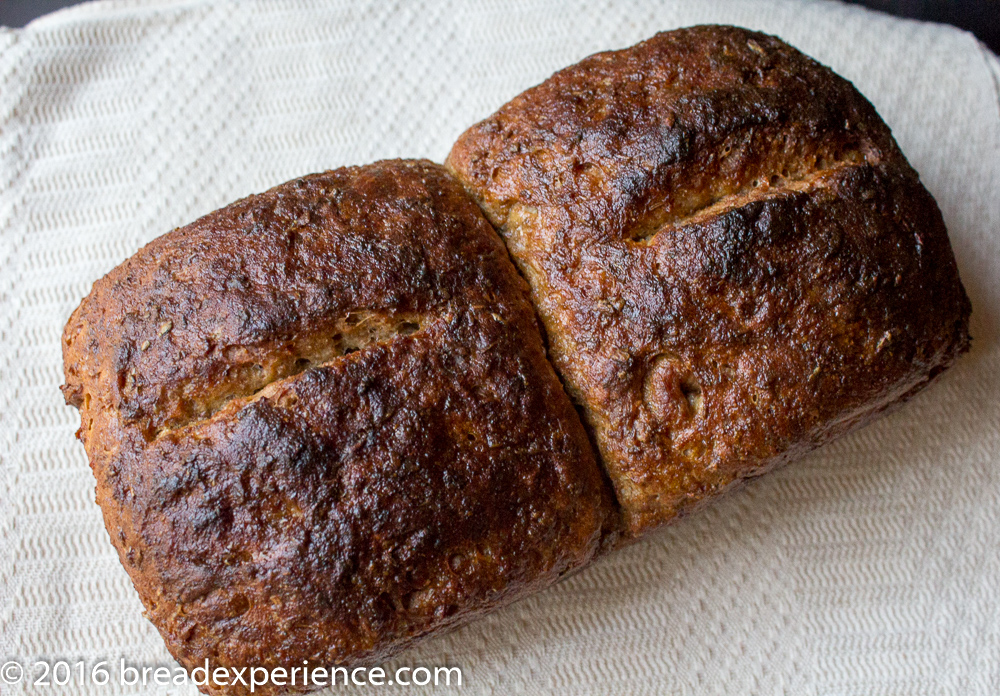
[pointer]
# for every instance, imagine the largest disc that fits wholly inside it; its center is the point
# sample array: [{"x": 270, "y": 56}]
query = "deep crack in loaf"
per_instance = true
[{"x": 323, "y": 421}]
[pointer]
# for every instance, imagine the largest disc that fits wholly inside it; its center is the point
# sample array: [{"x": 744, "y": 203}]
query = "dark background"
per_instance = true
[{"x": 982, "y": 17}]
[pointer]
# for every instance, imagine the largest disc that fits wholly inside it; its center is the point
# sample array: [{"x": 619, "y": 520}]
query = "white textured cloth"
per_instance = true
[{"x": 872, "y": 567}]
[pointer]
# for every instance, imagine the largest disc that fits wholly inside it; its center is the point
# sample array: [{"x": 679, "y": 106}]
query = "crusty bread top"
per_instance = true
[
  {"x": 731, "y": 257},
  {"x": 277, "y": 282},
  {"x": 322, "y": 423}
]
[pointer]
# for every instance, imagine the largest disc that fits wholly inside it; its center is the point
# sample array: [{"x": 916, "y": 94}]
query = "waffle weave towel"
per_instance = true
[{"x": 870, "y": 568}]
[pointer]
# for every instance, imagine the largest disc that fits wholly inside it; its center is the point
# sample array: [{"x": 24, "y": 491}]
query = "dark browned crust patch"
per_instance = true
[{"x": 732, "y": 260}]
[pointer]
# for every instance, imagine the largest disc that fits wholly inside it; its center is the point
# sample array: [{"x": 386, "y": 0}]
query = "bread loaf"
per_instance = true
[
  {"x": 323, "y": 425},
  {"x": 733, "y": 261},
  {"x": 323, "y": 421}
]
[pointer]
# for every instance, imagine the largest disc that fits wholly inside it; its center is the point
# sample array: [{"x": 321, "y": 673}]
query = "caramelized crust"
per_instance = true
[
  {"x": 323, "y": 424},
  {"x": 322, "y": 419},
  {"x": 732, "y": 260}
]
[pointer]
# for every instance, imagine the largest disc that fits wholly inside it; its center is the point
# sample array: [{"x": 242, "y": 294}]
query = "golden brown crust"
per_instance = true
[
  {"x": 323, "y": 424},
  {"x": 731, "y": 258}
]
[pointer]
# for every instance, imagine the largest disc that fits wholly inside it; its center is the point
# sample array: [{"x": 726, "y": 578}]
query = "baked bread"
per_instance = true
[
  {"x": 731, "y": 258},
  {"x": 323, "y": 425},
  {"x": 322, "y": 419}
]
